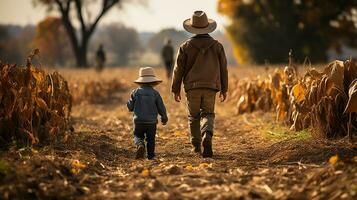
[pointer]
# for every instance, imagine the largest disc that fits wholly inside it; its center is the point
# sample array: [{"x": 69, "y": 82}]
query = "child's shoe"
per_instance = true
[
  {"x": 207, "y": 146},
  {"x": 196, "y": 149},
  {"x": 151, "y": 158},
  {"x": 140, "y": 152}
]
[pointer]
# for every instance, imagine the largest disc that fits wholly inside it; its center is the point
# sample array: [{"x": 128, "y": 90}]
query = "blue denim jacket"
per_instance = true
[{"x": 146, "y": 103}]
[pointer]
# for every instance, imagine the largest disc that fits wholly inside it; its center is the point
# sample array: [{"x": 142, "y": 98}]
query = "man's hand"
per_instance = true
[
  {"x": 177, "y": 97},
  {"x": 223, "y": 96}
]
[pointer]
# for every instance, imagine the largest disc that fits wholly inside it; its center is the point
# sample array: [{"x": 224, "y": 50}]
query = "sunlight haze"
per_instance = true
[{"x": 157, "y": 14}]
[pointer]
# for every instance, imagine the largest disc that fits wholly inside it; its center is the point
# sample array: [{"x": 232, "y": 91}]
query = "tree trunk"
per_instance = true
[
  {"x": 80, "y": 46},
  {"x": 81, "y": 55}
]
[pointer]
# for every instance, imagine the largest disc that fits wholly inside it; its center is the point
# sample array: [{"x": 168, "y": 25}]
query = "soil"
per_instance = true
[{"x": 247, "y": 164}]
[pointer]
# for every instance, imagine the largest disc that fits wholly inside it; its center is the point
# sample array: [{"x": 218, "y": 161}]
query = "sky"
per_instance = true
[{"x": 156, "y": 15}]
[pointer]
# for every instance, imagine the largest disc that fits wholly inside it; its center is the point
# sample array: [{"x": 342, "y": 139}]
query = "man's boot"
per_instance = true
[
  {"x": 207, "y": 145},
  {"x": 140, "y": 152}
]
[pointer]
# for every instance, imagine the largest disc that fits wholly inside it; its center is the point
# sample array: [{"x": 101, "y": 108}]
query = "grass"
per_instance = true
[
  {"x": 281, "y": 132},
  {"x": 4, "y": 167}
]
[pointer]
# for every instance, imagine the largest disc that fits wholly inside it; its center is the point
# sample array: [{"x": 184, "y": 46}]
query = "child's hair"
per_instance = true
[{"x": 152, "y": 84}]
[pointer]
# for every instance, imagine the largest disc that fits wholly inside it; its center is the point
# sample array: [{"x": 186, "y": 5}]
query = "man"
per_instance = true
[
  {"x": 167, "y": 55},
  {"x": 100, "y": 57},
  {"x": 202, "y": 67}
]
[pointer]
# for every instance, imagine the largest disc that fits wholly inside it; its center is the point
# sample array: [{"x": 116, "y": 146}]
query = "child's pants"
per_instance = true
[
  {"x": 200, "y": 103},
  {"x": 148, "y": 132}
]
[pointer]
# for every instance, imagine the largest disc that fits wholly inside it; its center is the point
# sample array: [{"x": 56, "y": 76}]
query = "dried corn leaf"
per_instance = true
[
  {"x": 299, "y": 92},
  {"x": 352, "y": 100}
]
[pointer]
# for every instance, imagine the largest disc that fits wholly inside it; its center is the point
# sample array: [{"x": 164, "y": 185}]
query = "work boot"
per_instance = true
[
  {"x": 207, "y": 146},
  {"x": 140, "y": 152}
]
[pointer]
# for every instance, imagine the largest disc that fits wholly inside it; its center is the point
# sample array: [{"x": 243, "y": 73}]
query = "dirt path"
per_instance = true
[{"x": 247, "y": 162}]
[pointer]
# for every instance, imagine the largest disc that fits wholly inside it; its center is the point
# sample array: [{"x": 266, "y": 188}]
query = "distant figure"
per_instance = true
[
  {"x": 100, "y": 56},
  {"x": 167, "y": 54}
]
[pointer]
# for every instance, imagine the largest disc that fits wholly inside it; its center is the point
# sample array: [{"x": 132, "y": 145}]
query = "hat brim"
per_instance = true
[
  {"x": 212, "y": 25},
  {"x": 147, "y": 80}
]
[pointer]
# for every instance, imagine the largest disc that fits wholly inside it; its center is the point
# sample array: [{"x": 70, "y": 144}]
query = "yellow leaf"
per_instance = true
[
  {"x": 76, "y": 164},
  {"x": 333, "y": 159},
  {"x": 75, "y": 171},
  {"x": 299, "y": 92},
  {"x": 189, "y": 168},
  {"x": 37, "y": 75},
  {"x": 179, "y": 134},
  {"x": 41, "y": 103},
  {"x": 204, "y": 165},
  {"x": 34, "y": 151},
  {"x": 145, "y": 173}
]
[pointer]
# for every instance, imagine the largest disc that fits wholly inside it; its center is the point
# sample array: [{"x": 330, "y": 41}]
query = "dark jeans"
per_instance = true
[
  {"x": 146, "y": 132},
  {"x": 168, "y": 66}
]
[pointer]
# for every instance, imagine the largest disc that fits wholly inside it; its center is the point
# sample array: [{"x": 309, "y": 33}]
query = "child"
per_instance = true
[
  {"x": 146, "y": 103},
  {"x": 202, "y": 67}
]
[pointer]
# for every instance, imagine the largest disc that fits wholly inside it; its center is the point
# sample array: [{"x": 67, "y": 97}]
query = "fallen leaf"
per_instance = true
[
  {"x": 189, "y": 168},
  {"x": 145, "y": 173},
  {"x": 333, "y": 159}
]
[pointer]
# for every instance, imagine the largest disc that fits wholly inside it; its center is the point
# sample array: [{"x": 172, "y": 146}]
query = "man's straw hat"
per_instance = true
[
  {"x": 199, "y": 23},
  {"x": 147, "y": 75}
]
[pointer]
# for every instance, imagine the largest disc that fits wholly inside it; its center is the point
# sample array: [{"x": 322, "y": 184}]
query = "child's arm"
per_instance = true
[
  {"x": 131, "y": 102},
  {"x": 161, "y": 109}
]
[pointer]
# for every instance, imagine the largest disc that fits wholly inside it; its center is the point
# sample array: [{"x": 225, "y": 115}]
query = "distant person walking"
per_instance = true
[
  {"x": 100, "y": 57},
  {"x": 167, "y": 54}
]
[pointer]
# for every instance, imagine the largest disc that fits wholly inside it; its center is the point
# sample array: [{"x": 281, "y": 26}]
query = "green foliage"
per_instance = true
[
  {"x": 265, "y": 30},
  {"x": 4, "y": 168},
  {"x": 280, "y": 132}
]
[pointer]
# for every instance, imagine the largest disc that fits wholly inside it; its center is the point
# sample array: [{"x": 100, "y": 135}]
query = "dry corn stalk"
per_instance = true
[
  {"x": 34, "y": 106},
  {"x": 321, "y": 101}
]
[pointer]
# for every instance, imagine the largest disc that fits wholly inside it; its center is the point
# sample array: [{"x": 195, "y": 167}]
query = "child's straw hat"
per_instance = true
[{"x": 147, "y": 75}]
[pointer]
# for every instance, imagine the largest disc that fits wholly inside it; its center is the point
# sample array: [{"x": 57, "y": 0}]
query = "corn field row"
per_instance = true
[{"x": 325, "y": 102}]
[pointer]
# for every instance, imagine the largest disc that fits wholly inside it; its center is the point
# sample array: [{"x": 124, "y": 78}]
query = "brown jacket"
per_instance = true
[{"x": 201, "y": 63}]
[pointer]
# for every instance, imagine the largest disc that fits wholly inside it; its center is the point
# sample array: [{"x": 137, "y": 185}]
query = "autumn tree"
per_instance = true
[
  {"x": 53, "y": 41},
  {"x": 263, "y": 30},
  {"x": 80, "y": 37},
  {"x": 16, "y": 42}
]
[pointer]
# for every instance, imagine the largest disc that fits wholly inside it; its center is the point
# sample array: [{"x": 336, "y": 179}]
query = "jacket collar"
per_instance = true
[{"x": 201, "y": 36}]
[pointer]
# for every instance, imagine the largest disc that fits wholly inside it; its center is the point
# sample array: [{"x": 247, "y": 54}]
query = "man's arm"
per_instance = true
[
  {"x": 224, "y": 73},
  {"x": 178, "y": 71}
]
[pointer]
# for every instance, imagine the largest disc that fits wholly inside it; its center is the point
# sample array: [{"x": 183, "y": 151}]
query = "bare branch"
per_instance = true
[
  {"x": 107, "y": 4},
  {"x": 80, "y": 15},
  {"x": 64, "y": 9}
]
